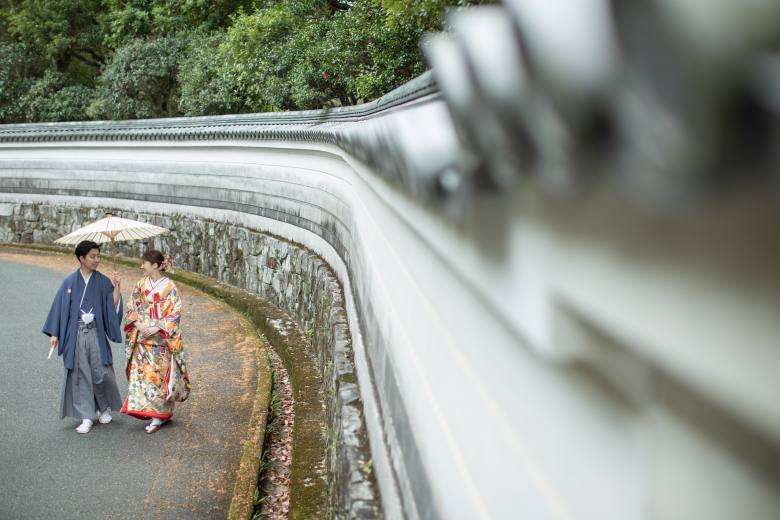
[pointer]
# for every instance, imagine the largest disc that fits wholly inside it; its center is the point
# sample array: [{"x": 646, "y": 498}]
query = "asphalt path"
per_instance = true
[{"x": 47, "y": 470}]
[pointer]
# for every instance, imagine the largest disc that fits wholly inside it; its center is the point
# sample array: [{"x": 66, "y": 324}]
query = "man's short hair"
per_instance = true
[{"x": 84, "y": 247}]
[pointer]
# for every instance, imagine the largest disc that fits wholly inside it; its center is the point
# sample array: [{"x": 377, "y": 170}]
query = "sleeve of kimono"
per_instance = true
[
  {"x": 169, "y": 325},
  {"x": 132, "y": 316},
  {"x": 53, "y": 320},
  {"x": 112, "y": 313}
]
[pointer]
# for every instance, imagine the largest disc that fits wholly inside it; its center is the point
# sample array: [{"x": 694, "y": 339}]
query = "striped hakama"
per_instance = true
[{"x": 90, "y": 386}]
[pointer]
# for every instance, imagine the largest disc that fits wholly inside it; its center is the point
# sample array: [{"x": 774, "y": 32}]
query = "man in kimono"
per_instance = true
[{"x": 85, "y": 315}]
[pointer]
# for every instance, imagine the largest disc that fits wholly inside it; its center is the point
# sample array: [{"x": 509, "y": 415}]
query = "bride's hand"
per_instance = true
[{"x": 149, "y": 331}]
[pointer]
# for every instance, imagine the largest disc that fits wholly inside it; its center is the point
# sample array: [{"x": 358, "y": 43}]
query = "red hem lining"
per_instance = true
[{"x": 143, "y": 414}]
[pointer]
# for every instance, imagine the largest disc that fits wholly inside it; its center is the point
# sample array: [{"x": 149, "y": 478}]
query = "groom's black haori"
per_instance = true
[{"x": 84, "y": 318}]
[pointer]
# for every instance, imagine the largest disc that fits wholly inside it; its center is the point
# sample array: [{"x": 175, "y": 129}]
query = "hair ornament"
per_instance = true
[{"x": 167, "y": 264}]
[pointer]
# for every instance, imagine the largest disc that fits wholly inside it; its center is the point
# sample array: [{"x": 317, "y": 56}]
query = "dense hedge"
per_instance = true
[{"x": 63, "y": 60}]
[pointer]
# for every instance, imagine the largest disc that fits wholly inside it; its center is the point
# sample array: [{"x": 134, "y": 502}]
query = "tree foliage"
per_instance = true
[
  {"x": 139, "y": 81},
  {"x": 52, "y": 98},
  {"x": 59, "y": 31},
  {"x": 15, "y": 79},
  {"x": 204, "y": 88},
  {"x": 130, "y": 19},
  {"x": 124, "y": 59}
]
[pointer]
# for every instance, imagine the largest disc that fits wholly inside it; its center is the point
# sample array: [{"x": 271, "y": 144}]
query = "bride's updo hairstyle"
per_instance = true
[{"x": 153, "y": 256}]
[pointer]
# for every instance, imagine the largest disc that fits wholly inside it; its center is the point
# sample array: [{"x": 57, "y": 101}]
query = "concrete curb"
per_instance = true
[{"x": 242, "y": 504}]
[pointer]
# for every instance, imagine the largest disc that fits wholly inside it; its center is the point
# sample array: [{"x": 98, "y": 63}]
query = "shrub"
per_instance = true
[{"x": 139, "y": 80}]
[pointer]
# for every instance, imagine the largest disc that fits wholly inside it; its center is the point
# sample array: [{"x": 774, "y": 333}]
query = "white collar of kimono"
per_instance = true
[
  {"x": 156, "y": 286},
  {"x": 86, "y": 317}
]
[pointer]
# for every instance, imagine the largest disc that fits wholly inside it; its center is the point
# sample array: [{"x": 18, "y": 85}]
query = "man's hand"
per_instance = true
[
  {"x": 149, "y": 331},
  {"x": 117, "y": 281},
  {"x": 53, "y": 341}
]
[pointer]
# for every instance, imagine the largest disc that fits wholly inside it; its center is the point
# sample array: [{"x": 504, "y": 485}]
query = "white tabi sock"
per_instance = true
[{"x": 85, "y": 426}]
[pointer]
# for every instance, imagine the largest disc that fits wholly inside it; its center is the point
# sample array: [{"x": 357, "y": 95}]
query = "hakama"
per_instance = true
[{"x": 90, "y": 386}]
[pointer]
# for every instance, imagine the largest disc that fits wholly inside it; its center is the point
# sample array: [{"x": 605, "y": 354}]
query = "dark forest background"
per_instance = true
[{"x": 66, "y": 60}]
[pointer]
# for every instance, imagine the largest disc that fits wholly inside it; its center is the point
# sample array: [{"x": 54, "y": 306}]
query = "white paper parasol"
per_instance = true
[{"x": 112, "y": 229}]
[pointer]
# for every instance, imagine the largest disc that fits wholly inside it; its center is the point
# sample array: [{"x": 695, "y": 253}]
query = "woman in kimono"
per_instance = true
[{"x": 154, "y": 344}]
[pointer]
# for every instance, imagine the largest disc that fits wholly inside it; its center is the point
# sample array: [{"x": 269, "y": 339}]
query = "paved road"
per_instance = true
[{"x": 116, "y": 471}]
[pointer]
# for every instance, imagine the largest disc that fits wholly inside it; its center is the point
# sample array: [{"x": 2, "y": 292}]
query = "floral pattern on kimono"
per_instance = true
[{"x": 149, "y": 360}]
